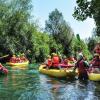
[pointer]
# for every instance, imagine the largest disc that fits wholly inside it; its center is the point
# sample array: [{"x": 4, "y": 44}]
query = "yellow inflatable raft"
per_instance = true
[
  {"x": 94, "y": 76},
  {"x": 18, "y": 64},
  {"x": 55, "y": 72}
]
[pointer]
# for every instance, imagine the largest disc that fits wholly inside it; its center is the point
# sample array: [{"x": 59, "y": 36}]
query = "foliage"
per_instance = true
[
  {"x": 90, "y": 9},
  {"x": 78, "y": 44},
  {"x": 60, "y": 30},
  {"x": 18, "y": 34},
  {"x": 92, "y": 41}
]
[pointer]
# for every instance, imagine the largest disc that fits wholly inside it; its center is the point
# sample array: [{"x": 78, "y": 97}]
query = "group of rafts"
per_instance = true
[
  {"x": 14, "y": 61},
  {"x": 66, "y": 72},
  {"x": 18, "y": 61},
  {"x": 59, "y": 73}
]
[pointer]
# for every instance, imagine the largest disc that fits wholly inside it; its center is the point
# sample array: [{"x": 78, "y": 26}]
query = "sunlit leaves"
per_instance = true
[{"x": 85, "y": 9}]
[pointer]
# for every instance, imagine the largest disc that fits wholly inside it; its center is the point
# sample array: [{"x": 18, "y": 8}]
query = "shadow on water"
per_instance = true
[{"x": 26, "y": 83}]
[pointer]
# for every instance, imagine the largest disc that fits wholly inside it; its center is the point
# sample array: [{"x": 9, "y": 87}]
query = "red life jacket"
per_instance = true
[
  {"x": 18, "y": 60},
  {"x": 97, "y": 51},
  {"x": 66, "y": 61},
  {"x": 49, "y": 62},
  {"x": 55, "y": 61},
  {"x": 13, "y": 60},
  {"x": 81, "y": 67},
  {"x": 96, "y": 63}
]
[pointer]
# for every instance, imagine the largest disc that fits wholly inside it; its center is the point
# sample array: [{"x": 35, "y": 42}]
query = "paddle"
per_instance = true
[{"x": 4, "y": 56}]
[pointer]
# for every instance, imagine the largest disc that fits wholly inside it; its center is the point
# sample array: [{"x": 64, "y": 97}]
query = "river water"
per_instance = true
[{"x": 26, "y": 83}]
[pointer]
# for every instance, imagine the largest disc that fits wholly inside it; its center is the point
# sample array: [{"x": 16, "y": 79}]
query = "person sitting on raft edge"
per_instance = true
[
  {"x": 95, "y": 64},
  {"x": 82, "y": 68},
  {"x": 55, "y": 61},
  {"x": 48, "y": 62}
]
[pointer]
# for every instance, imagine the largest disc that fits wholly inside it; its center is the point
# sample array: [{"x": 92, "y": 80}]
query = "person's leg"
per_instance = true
[
  {"x": 80, "y": 76},
  {"x": 85, "y": 76}
]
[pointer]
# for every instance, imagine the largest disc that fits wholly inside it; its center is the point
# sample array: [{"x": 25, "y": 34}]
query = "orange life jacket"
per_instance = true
[{"x": 55, "y": 61}]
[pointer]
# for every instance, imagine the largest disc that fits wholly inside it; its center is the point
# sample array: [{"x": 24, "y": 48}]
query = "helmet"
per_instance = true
[
  {"x": 96, "y": 55},
  {"x": 14, "y": 55},
  {"x": 48, "y": 56},
  {"x": 80, "y": 57},
  {"x": 54, "y": 54},
  {"x": 18, "y": 55},
  {"x": 64, "y": 57}
]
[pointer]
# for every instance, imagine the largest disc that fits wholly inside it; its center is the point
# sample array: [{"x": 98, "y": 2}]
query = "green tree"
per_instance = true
[
  {"x": 13, "y": 22},
  {"x": 60, "y": 30},
  {"x": 92, "y": 41},
  {"x": 90, "y": 9},
  {"x": 77, "y": 44}
]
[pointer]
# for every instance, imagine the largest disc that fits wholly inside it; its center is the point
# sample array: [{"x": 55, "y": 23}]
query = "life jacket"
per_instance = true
[
  {"x": 96, "y": 63},
  {"x": 65, "y": 62},
  {"x": 23, "y": 59},
  {"x": 13, "y": 60},
  {"x": 49, "y": 62},
  {"x": 81, "y": 67},
  {"x": 55, "y": 61},
  {"x": 18, "y": 60},
  {"x": 97, "y": 51}
]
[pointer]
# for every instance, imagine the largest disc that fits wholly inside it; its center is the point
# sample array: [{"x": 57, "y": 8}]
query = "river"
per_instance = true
[{"x": 26, "y": 83}]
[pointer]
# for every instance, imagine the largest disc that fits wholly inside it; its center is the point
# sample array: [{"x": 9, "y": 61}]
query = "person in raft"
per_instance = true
[
  {"x": 23, "y": 58},
  {"x": 3, "y": 70},
  {"x": 13, "y": 59},
  {"x": 82, "y": 68},
  {"x": 48, "y": 62},
  {"x": 55, "y": 61},
  {"x": 18, "y": 59},
  {"x": 95, "y": 64},
  {"x": 64, "y": 63}
]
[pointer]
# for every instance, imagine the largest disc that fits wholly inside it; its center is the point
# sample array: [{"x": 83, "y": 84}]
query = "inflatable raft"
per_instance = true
[
  {"x": 59, "y": 73},
  {"x": 18, "y": 64},
  {"x": 94, "y": 76}
]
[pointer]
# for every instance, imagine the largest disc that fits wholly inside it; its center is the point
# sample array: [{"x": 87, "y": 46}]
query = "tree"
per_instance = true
[
  {"x": 60, "y": 30},
  {"x": 92, "y": 41},
  {"x": 14, "y": 20},
  {"x": 18, "y": 34},
  {"x": 90, "y": 9},
  {"x": 78, "y": 44}
]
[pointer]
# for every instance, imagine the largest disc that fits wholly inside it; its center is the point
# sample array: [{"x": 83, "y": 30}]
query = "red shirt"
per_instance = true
[
  {"x": 96, "y": 63},
  {"x": 81, "y": 67}
]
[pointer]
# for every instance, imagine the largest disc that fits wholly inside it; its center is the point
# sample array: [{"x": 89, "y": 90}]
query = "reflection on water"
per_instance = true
[{"x": 26, "y": 83}]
